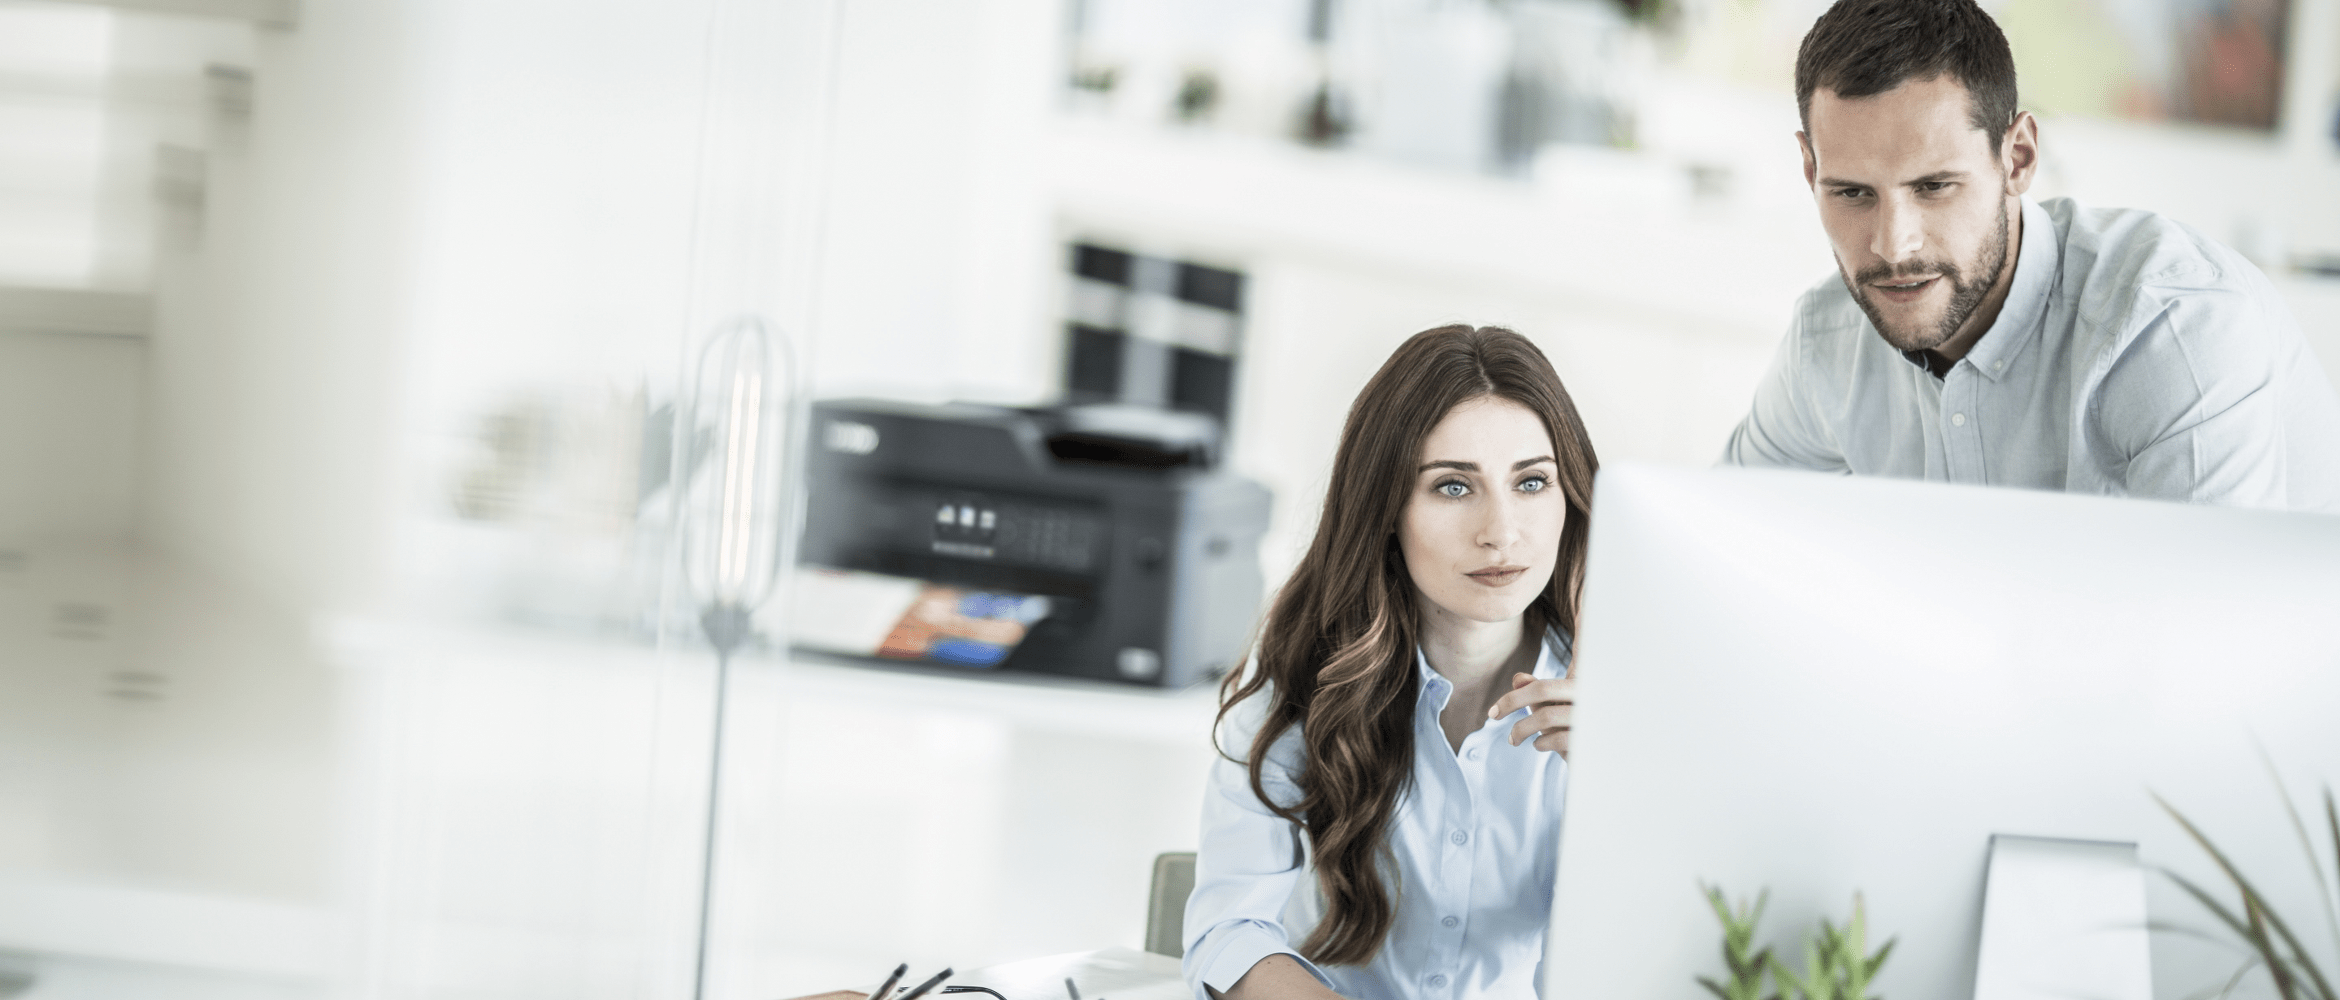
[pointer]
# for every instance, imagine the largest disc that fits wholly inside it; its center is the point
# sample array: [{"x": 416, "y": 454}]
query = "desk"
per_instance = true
[{"x": 1109, "y": 974}]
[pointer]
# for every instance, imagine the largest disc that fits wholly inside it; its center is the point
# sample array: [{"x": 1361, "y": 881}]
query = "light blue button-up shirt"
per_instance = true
[
  {"x": 2133, "y": 357},
  {"x": 1475, "y": 845}
]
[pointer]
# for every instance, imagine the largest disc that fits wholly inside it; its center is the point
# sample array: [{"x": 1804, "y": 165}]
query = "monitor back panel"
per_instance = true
[{"x": 1820, "y": 686}]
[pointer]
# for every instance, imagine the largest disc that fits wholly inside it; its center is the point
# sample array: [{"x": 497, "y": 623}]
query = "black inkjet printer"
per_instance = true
[{"x": 1148, "y": 553}]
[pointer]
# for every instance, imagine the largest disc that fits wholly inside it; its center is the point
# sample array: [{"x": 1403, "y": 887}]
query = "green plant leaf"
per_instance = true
[
  {"x": 2198, "y": 934},
  {"x": 1877, "y": 961},
  {"x": 2254, "y": 906},
  {"x": 2217, "y": 909},
  {"x": 1789, "y": 982},
  {"x": 2221, "y": 992},
  {"x": 2306, "y": 844},
  {"x": 2332, "y": 819},
  {"x": 1714, "y": 898}
]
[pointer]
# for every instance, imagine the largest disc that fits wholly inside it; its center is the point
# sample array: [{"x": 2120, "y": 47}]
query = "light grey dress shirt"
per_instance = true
[
  {"x": 1473, "y": 849},
  {"x": 2133, "y": 357}
]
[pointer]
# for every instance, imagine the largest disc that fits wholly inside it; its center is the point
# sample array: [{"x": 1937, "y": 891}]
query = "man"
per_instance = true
[{"x": 1977, "y": 336}]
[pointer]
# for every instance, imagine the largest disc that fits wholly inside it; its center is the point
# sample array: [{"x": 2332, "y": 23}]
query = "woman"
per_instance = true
[{"x": 1403, "y": 724}]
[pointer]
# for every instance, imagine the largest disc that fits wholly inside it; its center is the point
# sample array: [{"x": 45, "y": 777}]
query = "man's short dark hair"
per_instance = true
[{"x": 1861, "y": 48}]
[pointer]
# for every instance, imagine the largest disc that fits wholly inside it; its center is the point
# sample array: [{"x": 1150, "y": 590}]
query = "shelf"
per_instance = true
[
  {"x": 1612, "y": 230},
  {"x": 75, "y": 312},
  {"x": 267, "y": 13}
]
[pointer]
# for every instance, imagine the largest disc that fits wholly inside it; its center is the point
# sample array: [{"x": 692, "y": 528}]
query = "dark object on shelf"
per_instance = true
[
  {"x": 1147, "y": 553},
  {"x": 1325, "y": 120},
  {"x": 1152, "y": 332},
  {"x": 1198, "y": 96}
]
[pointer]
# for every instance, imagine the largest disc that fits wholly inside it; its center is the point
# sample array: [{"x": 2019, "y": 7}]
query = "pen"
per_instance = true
[
  {"x": 927, "y": 985},
  {"x": 890, "y": 981},
  {"x": 1070, "y": 988}
]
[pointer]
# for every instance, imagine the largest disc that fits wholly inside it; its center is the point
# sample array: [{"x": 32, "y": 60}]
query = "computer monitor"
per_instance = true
[{"x": 1819, "y": 686}]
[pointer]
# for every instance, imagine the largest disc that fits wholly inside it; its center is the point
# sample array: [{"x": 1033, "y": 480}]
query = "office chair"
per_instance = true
[{"x": 1166, "y": 904}]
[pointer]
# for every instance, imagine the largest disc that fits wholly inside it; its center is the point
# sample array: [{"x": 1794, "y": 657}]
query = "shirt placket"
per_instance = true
[
  {"x": 1457, "y": 864},
  {"x": 1962, "y": 455}
]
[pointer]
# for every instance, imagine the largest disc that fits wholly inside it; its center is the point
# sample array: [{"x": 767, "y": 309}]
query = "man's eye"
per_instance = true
[
  {"x": 1930, "y": 187},
  {"x": 1452, "y": 488},
  {"x": 1850, "y": 193}
]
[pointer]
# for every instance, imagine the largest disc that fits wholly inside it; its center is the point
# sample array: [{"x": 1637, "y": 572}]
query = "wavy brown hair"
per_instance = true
[{"x": 1337, "y": 648}]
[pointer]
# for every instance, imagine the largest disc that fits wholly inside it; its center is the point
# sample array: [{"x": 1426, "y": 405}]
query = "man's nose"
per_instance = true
[{"x": 1899, "y": 233}]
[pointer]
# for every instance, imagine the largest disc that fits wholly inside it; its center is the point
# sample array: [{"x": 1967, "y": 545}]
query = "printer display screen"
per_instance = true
[{"x": 1023, "y": 532}]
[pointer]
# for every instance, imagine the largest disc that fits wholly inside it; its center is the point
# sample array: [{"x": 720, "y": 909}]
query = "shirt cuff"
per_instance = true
[{"x": 1229, "y": 951}]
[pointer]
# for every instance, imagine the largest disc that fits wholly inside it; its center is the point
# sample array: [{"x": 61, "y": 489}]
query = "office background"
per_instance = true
[{"x": 336, "y": 651}]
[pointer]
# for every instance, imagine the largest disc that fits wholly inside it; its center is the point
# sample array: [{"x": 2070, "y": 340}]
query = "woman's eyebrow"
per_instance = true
[{"x": 1474, "y": 466}]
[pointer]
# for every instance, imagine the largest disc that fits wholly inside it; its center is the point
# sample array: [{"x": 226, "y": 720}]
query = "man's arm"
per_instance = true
[
  {"x": 2194, "y": 405},
  {"x": 1780, "y": 429}
]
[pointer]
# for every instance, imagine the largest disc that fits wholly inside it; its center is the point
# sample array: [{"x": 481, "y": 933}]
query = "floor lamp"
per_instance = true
[{"x": 735, "y": 527}]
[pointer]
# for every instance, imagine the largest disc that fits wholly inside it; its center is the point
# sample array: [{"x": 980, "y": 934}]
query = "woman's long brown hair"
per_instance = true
[{"x": 1336, "y": 652}]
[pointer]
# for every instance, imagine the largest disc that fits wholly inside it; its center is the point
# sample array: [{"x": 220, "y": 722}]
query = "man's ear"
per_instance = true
[
  {"x": 2019, "y": 153},
  {"x": 1811, "y": 166}
]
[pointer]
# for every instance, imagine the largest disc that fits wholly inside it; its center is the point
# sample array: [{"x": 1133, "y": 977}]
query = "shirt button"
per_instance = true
[
  {"x": 1474, "y": 755},
  {"x": 1461, "y": 837},
  {"x": 1996, "y": 365},
  {"x": 1958, "y": 420},
  {"x": 1437, "y": 981},
  {"x": 1451, "y": 921}
]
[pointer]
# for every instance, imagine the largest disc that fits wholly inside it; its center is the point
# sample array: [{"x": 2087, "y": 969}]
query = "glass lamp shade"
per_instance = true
[{"x": 737, "y": 439}]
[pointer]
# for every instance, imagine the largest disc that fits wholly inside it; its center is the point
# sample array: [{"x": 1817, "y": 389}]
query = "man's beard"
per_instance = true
[{"x": 1965, "y": 296}]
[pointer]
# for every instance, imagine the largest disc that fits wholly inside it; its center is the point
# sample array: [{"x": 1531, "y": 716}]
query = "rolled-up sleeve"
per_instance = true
[{"x": 1247, "y": 867}]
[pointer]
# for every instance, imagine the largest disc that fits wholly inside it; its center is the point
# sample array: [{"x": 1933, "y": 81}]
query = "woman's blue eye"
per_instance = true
[
  {"x": 1452, "y": 488},
  {"x": 1534, "y": 484}
]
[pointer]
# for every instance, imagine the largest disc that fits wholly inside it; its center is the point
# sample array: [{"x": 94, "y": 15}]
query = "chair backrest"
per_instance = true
[{"x": 1166, "y": 904}]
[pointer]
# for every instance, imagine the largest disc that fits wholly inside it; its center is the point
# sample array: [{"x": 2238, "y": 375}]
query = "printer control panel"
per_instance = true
[{"x": 1013, "y": 530}]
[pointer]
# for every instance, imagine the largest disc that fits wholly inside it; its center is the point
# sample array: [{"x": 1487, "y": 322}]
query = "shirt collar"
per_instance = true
[
  {"x": 1552, "y": 661},
  {"x": 2038, "y": 260}
]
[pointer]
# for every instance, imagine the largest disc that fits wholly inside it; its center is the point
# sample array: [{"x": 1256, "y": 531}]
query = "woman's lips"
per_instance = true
[{"x": 1496, "y": 576}]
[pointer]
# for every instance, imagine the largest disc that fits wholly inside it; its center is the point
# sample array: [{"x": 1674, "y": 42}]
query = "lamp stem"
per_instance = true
[{"x": 726, "y": 625}]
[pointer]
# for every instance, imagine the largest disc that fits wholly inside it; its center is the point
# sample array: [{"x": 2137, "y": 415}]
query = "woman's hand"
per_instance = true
[{"x": 1551, "y": 706}]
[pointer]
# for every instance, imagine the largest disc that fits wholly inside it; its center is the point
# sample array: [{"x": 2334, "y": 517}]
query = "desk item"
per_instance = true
[
  {"x": 2063, "y": 918},
  {"x": 886, "y": 988},
  {"x": 1867, "y": 678},
  {"x": 1111, "y": 974},
  {"x": 927, "y": 986},
  {"x": 1070, "y": 988},
  {"x": 1090, "y": 541}
]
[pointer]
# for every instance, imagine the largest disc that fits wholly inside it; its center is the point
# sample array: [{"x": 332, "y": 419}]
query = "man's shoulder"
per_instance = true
[
  {"x": 1827, "y": 319},
  {"x": 2122, "y": 264}
]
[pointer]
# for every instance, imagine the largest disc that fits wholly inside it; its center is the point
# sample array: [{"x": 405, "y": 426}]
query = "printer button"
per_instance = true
[{"x": 1138, "y": 663}]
